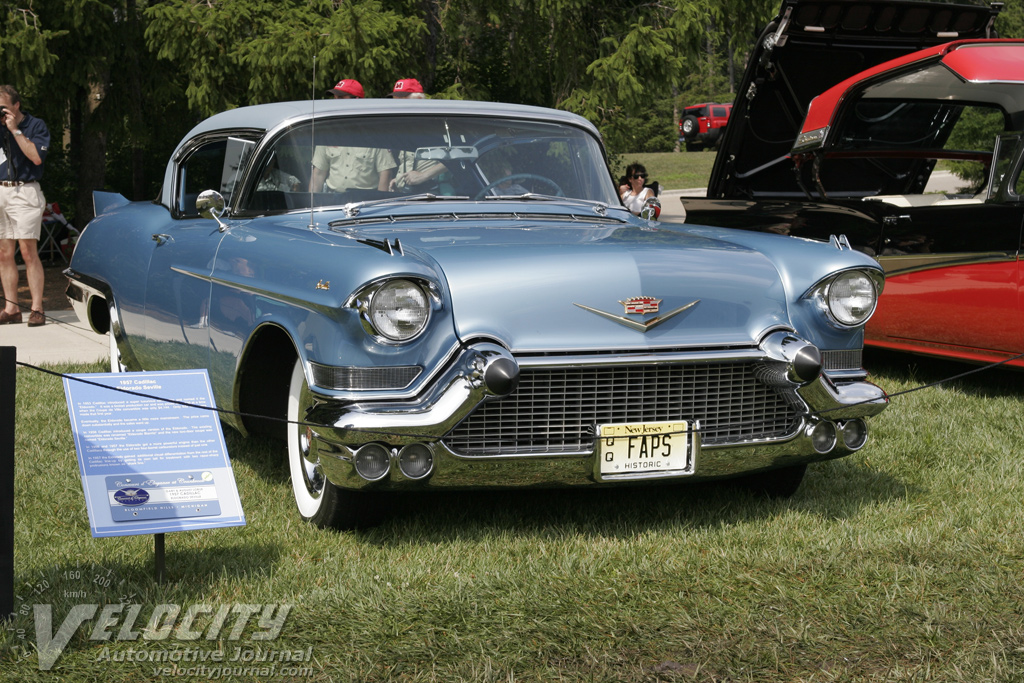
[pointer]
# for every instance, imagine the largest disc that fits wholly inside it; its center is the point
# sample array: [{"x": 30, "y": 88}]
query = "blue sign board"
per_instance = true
[{"x": 151, "y": 453}]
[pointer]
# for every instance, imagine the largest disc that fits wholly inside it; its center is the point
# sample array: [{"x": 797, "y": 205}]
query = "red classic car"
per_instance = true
[{"x": 857, "y": 169}]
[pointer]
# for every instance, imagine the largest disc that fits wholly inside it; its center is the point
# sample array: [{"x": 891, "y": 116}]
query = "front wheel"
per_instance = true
[
  {"x": 116, "y": 362},
  {"x": 115, "y": 354},
  {"x": 318, "y": 500}
]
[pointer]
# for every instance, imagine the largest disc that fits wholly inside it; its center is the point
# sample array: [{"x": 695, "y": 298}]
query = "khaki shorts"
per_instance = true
[{"x": 21, "y": 211}]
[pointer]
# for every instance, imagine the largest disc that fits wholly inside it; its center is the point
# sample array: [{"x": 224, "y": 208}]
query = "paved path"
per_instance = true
[{"x": 62, "y": 339}]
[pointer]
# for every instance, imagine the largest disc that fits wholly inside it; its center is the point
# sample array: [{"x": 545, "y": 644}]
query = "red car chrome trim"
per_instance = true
[{"x": 1001, "y": 64}]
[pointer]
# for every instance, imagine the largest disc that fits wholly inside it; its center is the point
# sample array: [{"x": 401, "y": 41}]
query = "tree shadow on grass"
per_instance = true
[
  {"x": 832, "y": 490},
  {"x": 835, "y": 489}
]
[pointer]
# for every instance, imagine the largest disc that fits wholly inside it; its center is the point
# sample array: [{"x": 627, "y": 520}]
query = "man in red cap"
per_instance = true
[
  {"x": 412, "y": 174},
  {"x": 408, "y": 88},
  {"x": 347, "y": 89}
]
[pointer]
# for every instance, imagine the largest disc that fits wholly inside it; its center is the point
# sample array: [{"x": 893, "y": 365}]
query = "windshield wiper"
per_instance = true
[
  {"x": 425, "y": 197},
  {"x": 353, "y": 208},
  {"x": 526, "y": 196},
  {"x": 599, "y": 207}
]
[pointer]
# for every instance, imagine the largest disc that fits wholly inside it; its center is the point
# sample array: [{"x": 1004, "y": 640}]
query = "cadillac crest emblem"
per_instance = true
[{"x": 641, "y": 305}]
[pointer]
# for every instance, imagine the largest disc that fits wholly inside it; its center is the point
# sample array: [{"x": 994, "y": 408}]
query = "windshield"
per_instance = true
[{"x": 337, "y": 161}]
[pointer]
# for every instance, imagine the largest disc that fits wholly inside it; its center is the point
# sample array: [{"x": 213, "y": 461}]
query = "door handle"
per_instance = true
[{"x": 892, "y": 221}]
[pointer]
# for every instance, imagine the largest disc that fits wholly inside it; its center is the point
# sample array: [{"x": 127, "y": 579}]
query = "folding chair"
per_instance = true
[{"x": 54, "y": 229}]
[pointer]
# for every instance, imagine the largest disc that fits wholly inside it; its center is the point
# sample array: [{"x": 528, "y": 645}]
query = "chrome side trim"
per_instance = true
[{"x": 901, "y": 264}]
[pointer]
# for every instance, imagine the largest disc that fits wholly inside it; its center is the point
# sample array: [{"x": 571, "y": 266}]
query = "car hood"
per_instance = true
[
  {"x": 809, "y": 47},
  {"x": 539, "y": 288}
]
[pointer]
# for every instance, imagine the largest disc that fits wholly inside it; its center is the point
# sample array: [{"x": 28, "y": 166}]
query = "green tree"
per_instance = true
[
  {"x": 124, "y": 79},
  {"x": 240, "y": 52},
  {"x": 83, "y": 68}
]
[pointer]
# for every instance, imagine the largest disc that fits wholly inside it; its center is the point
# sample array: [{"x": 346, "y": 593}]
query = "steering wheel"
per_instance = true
[{"x": 521, "y": 176}]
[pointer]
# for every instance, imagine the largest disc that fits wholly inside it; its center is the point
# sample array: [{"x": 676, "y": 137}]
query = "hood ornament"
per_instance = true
[{"x": 639, "y": 305}]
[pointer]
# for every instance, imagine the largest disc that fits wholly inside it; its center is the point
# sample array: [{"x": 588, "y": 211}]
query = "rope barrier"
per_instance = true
[{"x": 383, "y": 432}]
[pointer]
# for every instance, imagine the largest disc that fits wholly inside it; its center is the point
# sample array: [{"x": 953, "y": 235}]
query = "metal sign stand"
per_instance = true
[
  {"x": 8, "y": 385},
  {"x": 158, "y": 556}
]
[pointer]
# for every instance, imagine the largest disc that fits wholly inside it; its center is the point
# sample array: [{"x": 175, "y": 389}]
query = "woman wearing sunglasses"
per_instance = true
[{"x": 633, "y": 193}]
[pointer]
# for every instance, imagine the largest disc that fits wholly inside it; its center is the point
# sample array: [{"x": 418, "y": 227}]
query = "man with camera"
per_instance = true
[{"x": 24, "y": 141}]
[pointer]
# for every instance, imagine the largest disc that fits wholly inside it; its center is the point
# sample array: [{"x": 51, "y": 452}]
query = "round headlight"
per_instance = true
[
  {"x": 399, "y": 310},
  {"x": 852, "y": 298}
]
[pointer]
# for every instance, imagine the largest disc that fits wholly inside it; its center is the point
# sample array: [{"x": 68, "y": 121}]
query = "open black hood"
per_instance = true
[{"x": 810, "y": 46}]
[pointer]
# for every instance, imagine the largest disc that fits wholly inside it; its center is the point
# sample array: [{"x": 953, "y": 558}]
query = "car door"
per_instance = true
[
  {"x": 178, "y": 283},
  {"x": 952, "y": 267}
]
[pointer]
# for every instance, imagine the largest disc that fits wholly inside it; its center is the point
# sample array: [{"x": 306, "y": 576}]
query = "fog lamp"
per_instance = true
[
  {"x": 415, "y": 461},
  {"x": 373, "y": 461},
  {"x": 823, "y": 437},
  {"x": 855, "y": 434}
]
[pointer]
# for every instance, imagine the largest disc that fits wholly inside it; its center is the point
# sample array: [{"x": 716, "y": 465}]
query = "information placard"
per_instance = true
[{"x": 151, "y": 454}]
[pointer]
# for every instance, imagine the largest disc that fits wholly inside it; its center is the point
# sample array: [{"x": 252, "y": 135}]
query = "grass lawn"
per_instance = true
[
  {"x": 902, "y": 562},
  {"x": 674, "y": 170}
]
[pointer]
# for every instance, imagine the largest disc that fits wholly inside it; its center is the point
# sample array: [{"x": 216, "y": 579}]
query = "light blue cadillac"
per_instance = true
[{"x": 441, "y": 294}]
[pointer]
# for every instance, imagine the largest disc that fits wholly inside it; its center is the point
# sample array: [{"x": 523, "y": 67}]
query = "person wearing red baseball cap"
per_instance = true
[
  {"x": 347, "y": 89},
  {"x": 408, "y": 88},
  {"x": 412, "y": 174}
]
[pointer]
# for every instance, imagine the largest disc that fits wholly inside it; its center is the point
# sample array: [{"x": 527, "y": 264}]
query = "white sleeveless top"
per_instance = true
[{"x": 635, "y": 202}]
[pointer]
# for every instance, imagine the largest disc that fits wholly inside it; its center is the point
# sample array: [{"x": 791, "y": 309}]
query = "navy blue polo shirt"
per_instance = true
[{"x": 17, "y": 166}]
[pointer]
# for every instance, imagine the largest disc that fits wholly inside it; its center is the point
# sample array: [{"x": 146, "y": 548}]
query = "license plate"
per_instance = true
[{"x": 646, "y": 448}]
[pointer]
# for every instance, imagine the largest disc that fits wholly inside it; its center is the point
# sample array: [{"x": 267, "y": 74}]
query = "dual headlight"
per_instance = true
[
  {"x": 396, "y": 310},
  {"x": 851, "y": 296}
]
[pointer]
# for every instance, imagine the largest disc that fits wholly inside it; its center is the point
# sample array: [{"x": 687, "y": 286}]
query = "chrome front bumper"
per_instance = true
[{"x": 485, "y": 372}]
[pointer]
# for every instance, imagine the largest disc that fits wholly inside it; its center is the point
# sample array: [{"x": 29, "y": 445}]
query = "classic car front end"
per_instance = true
[{"x": 508, "y": 324}]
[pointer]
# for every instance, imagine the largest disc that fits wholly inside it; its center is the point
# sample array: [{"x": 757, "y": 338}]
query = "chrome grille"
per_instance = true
[
  {"x": 844, "y": 359},
  {"x": 356, "y": 379},
  {"x": 555, "y": 410}
]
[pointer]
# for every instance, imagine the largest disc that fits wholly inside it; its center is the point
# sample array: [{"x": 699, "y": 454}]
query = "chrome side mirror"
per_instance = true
[
  {"x": 210, "y": 204},
  {"x": 651, "y": 210}
]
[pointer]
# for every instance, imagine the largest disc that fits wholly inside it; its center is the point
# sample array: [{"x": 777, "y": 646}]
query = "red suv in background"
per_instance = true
[{"x": 702, "y": 124}]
